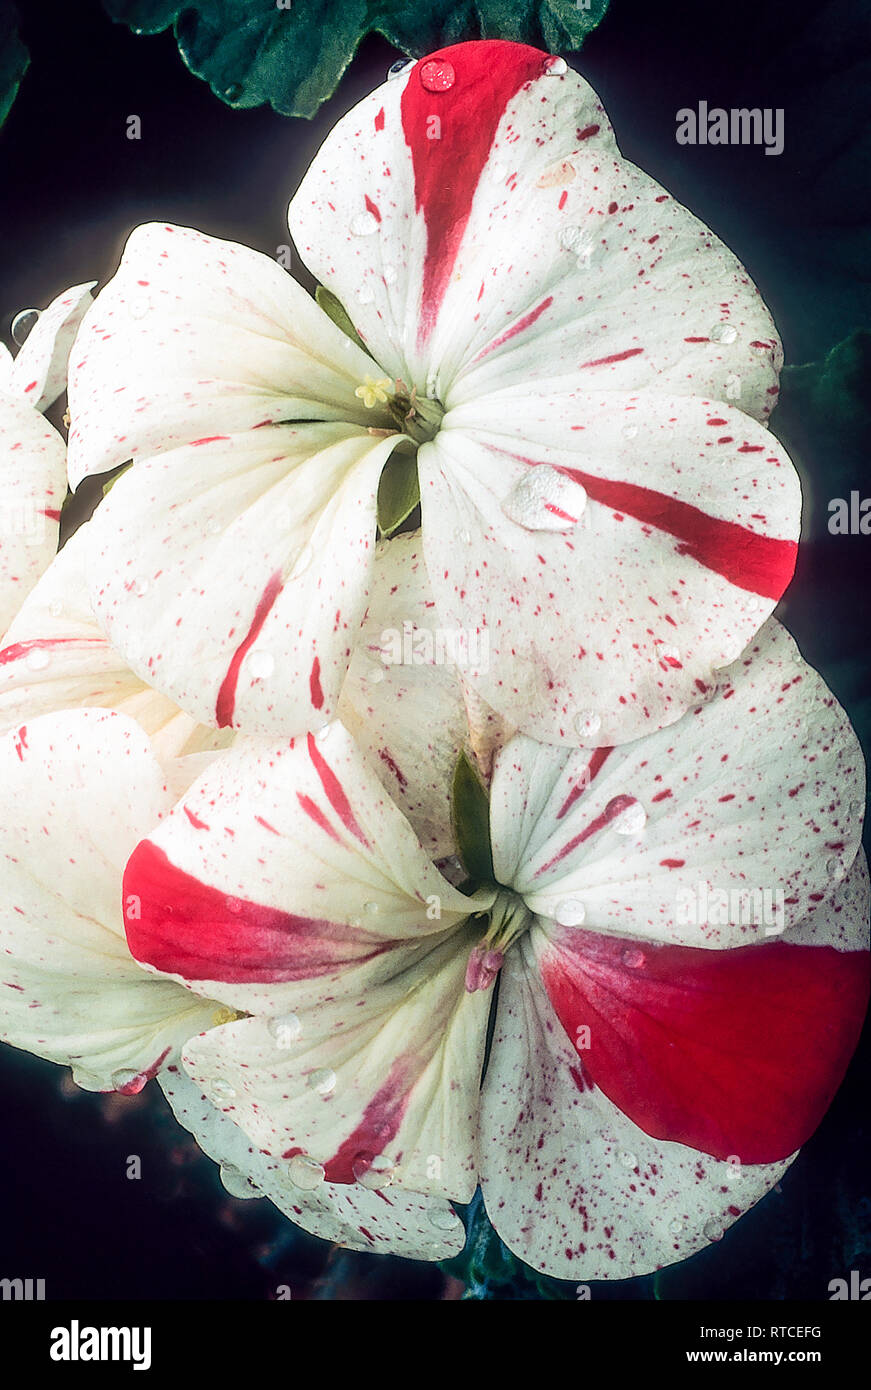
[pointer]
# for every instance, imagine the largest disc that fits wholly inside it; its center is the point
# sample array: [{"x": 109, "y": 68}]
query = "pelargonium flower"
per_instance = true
[
  {"x": 653, "y": 1070},
  {"x": 32, "y": 453},
  {"x": 577, "y": 369}
]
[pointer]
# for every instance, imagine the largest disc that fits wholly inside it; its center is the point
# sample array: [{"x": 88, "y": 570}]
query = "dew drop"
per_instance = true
[
  {"x": 371, "y": 909},
  {"x": 222, "y": 1089},
  {"x": 373, "y": 1172},
  {"x": 234, "y": 905},
  {"x": 375, "y": 675},
  {"x": 675, "y": 1226},
  {"x": 570, "y": 912},
  {"x": 438, "y": 75},
  {"x": 141, "y": 588},
  {"x": 237, "y": 1183},
  {"x": 396, "y": 69},
  {"x": 128, "y": 1082},
  {"x": 632, "y": 958},
  {"x": 305, "y": 1172},
  {"x": 23, "y": 325},
  {"x": 56, "y": 608},
  {"x": 588, "y": 724},
  {"x": 138, "y": 306},
  {"x": 37, "y": 659},
  {"x": 627, "y": 1159},
  {"x": 723, "y": 333},
  {"x": 365, "y": 294},
  {"x": 364, "y": 224},
  {"x": 214, "y": 526},
  {"x": 712, "y": 1230},
  {"x": 465, "y": 537},
  {"x": 443, "y": 1218},
  {"x": 323, "y": 1081},
  {"x": 323, "y": 733},
  {"x": 261, "y": 665},
  {"x": 389, "y": 273},
  {"x": 571, "y": 237},
  {"x": 629, "y": 431},
  {"x": 556, "y": 67},
  {"x": 631, "y": 820},
  {"x": 834, "y": 868},
  {"x": 285, "y": 1029},
  {"x": 545, "y": 500}
]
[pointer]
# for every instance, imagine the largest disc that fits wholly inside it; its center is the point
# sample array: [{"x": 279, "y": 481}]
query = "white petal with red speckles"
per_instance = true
[
  {"x": 488, "y": 233},
  {"x": 757, "y": 792},
  {"x": 385, "y": 1222},
  {"x": 32, "y": 489},
  {"x": 54, "y": 656},
  {"x": 392, "y": 1074},
  {"x": 614, "y": 548},
  {"x": 570, "y": 1183},
  {"x": 78, "y": 790},
  {"x": 403, "y": 701},
  {"x": 39, "y": 374},
  {"x": 287, "y": 877},
  {"x": 193, "y": 337},
  {"x": 242, "y": 597}
]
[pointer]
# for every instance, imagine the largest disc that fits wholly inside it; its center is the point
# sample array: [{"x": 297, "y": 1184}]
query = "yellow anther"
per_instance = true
[
  {"x": 225, "y": 1015},
  {"x": 373, "y": 392}
]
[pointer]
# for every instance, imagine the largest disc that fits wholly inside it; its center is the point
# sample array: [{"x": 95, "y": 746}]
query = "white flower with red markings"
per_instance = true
[
  {"x": 549, "y": 345},
  {"x": 32, "y": 453},
  {"x": 652, "y": 1072}
]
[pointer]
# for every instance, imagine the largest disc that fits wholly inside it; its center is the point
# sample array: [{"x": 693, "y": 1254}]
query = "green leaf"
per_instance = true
[
  {"x": 111, "y": 481},
  {"x": 256, "y": 51},
  {"x": 335, "y": 310},
  {"x": 14, "y": 58},
  {"x": 398, "y": 491},
  {"x": 470, "y": 812}
]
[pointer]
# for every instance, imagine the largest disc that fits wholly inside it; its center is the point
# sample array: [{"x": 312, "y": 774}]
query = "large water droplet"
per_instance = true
[
  {"x": 364, "y": 224},
  {"x": 285, "y": 1029},
  {"x": 37, "y": 659},
  {"x": 632, "y": 958},
  {"x": 464, "y": 537},
  {"x": 835, "y": 868},
  {"x": 675, "y": 1226},
  {"x": 545, "y": 500},
  {"x": 570, "y": 912},
  {"x": 23, "y": 325},
  {"x": 323, "y": 1081},
  {"x": 555, "y": 67},
  {"x": 222, "y": 1089},
  {"x": 723, "y": 333},
  {"x": 373, "y": 1171},
  {"x": 631, "y": 820},
  {"x": 375, "y": 675},
  {"x": 305, "y": 1172},
  {"x": 141, "y": 588},
  {"x": 571, "y": 238},
  {"x": 234, "y": 905},
  {"x": 400, "y": 66},
  {"x": 371, "y": 909},
  {"x": 437, "y": 75},
  {"x": 629, "y": 431},
  {"x": 712, "y": 1230},
  {"x": 237, "y": 1183},
  {"x": 443, "y": 1218},
  {"x": 261, "y": 665},
  {"x": 627, "y": 1159},
  {"x": 588, "y": 724},
  {"x": 138, "y": 306},
  {"x": 128, "y": 1082}
]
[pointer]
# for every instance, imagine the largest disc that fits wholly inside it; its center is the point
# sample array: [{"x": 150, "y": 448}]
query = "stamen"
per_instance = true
[{"x": 374, "y": 391}]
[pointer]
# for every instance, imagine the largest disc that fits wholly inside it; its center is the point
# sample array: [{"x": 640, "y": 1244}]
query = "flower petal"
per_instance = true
[
  {"x": 391, "y": 1075},
  {"x": 398, "y": 1223},
  {"x": 571, "y": 1184},
  {"x": 242, "y": 597},
  {"x": 287, "y": 877},
  {"x": 725, "y": 829},
  {"x": 196, "y": 337},
  {"x": 39, "y": 373},
  {"x": 619, "y": 571},
  {"x": 70, "y": 990},
  {"x": 475, "y": 228},
  {"x": 32, "y": 489}
]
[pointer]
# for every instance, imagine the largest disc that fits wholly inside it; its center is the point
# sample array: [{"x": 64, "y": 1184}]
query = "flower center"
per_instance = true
[
  {"x": 509, "y": 918},
  {"x": 417, "y": 416}
]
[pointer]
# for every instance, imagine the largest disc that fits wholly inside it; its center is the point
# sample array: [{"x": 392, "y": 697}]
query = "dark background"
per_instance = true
[{"x": 73, "y": 186}]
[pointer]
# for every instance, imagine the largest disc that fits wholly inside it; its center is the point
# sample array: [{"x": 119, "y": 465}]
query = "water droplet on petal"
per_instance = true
[
  {"x": 396, "y": 69},
  {"x": 437, "y": 75},
  {"x": 723, "y": 333},
  {"x": 570, "y": 912},
  {"x": 285, "y": 1029},
  {"x": 631, "y": 820},
  {"x": 375, "y": 675},
  {"x": 571, "y": 237},
  {"x": 234, "y": 905},
  {"x": 588, "y": 724},
  {"x": 221, "y": 1089},
  {"x": 389, "y": 272},
  {"x": 237, "y": 1183},
  {"x": 443, "y": 1218},
  {"x": 305, "y": 1172},
  {"x": 56, "y": 608},
  {"x": 128, "y": 1082},
  {"x": 627, "y": 1159},
  {"x": 261, "y": 665},
  {"x": 364, "y": 224},
  {"x": 373, "y": 1171},
  {"x": 323, "y": 1081},
  {"x": 365, "y": 294},
  {"x": 834, "y": 868},
  {"x": 712, "y": 1230},
  {"x": 138, "y": 306},
  {"x": 23, "y": 325},
  {"x": 856, "y": 808},
  {"x": 322, "y": 734},
  {"x": 632, "y": 958},
  {"x": 213, "y": 526},
  {"x": 37, "y": 659},
  {"x": 545, "y": 500},
  {"x": 141, "y": 588},
  {"x": 629, "y": 431},
  {"x": 555, "y": 67},
  {"x": 675, "y": 1226},
  {"x": 465, "y": 537},
  {"x": 371, "y": 909}
]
